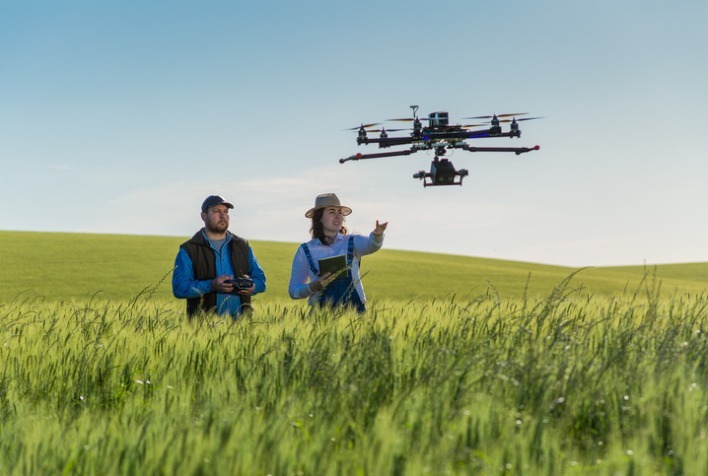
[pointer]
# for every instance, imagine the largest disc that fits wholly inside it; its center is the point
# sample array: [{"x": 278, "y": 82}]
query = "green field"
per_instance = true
[
  {"x": 66, "y": 266},
  {"x": 460, "y": 366}
]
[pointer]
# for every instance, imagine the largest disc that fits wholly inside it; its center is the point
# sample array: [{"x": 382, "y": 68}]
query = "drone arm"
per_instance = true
[
  {"x": 516, "y": 150},
  {"x": 377, "y": 156},
  {"x": 384, "y": 142}
]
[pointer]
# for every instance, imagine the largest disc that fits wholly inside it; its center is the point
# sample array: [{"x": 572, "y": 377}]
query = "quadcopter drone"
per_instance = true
[{"x": 440, "y": 136}]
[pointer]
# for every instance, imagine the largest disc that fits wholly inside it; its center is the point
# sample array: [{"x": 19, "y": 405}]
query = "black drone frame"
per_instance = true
[{"x": 440, "y": 136}]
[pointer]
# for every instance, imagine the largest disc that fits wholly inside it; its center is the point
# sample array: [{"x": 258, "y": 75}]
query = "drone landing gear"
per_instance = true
[{"x": 442, "y": 172}]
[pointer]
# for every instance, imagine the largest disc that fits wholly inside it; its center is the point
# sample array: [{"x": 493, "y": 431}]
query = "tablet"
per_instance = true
[{"x": 333, "y": 265}]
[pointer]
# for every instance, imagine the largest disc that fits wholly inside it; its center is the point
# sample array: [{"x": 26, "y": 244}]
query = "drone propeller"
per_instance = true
[
  {"x": 363, "y": 125},
  {"x": 467, "y": 126},
  {"x": 409, "y": 119},
  {"x": 522, "y": 119},
  {"x": 387, "y": 130},
  {"x": 497, "y": 115}
]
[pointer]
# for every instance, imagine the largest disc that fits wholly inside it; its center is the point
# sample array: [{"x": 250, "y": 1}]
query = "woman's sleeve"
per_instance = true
[
  {"x": 365, "y": 245},
  {"x": 299, "y": 287}
]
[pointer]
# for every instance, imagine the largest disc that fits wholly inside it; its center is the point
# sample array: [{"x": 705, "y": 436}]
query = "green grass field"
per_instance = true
[
  {"x": 460, "y": 366},
  {"x": 66, "y": 266}
]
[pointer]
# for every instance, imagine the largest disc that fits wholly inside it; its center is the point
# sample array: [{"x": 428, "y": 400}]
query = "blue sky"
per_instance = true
[{"x": 120, "y": 117}]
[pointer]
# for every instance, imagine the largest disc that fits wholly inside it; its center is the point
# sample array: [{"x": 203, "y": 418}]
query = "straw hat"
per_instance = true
[{"x": 327, "y": 200}]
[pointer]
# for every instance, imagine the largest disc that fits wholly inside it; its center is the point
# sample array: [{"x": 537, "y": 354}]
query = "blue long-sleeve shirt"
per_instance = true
[{"x": 185, "y": 285}]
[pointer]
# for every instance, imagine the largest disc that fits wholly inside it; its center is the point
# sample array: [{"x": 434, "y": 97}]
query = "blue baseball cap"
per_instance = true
[{"x": 213, "y": 200}]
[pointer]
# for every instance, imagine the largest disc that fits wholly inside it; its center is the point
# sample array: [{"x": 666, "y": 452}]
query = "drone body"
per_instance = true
[{"x": 439, "y": 135}]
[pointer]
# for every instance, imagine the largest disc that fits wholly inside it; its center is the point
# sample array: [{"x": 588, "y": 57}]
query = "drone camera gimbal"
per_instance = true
[{"x": 442, "y": 172}]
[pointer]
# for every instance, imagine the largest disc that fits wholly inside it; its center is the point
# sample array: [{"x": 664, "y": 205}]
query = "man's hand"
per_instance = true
[
  {"x": 220, "y": 284},
  {"x": 249, "y": 291},
  {"x": 380, "y": 228}
]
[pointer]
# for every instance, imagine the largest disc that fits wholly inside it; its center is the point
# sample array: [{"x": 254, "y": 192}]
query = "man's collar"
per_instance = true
[{"x": 227, "y": 237}]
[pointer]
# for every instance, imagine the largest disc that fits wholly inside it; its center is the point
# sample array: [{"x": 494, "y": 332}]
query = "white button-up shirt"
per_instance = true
[{"x": 301, "y": 274}]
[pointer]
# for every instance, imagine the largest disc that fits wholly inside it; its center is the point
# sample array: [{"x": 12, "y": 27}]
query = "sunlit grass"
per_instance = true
[{"x": 565, "y": 383}]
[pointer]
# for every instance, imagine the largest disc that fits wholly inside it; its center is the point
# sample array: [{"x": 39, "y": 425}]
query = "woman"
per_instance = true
[{"x": 330, "y": 238}]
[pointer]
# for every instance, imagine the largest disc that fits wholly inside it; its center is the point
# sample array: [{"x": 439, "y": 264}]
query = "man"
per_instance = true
[{"x": 208, "y": 265}]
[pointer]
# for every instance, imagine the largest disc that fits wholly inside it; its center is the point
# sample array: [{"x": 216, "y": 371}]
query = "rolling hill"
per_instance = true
[{"x": 74, "y": 266}]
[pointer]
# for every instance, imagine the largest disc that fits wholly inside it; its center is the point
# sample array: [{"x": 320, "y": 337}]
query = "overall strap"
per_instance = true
[
  {"x": 306, "y": 249},
  {"x": 350, "y": 252}
]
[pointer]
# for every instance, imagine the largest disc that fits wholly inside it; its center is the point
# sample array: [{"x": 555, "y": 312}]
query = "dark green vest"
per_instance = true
[{"x": 204, "y": 265}]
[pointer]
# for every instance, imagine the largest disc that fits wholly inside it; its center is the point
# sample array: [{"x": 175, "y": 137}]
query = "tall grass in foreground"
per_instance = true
[{"x": 561, "y": 385}]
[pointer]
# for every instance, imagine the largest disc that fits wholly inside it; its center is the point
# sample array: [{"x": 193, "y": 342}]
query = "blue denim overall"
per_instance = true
[{"x": 341, "y": 291}]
